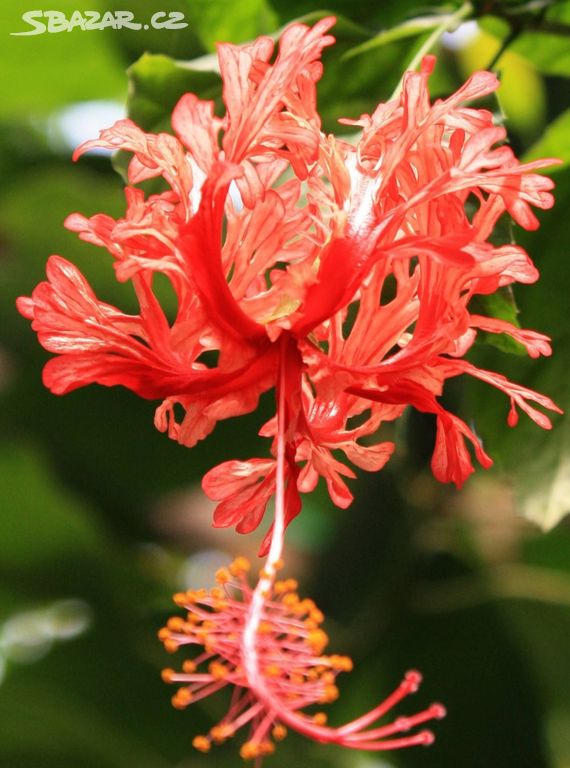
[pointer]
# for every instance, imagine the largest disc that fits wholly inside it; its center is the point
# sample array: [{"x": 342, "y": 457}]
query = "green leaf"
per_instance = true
[
  {"x": 156, "y": 83},
  {"x": 227, "y": 20},
  {"x": 502, "y": 306},
  {"x": 555, "y": 142},
  {"x": 537, "y": 461},
  {"x": 543, "y": 492},
  {"x": 559, "y": 11},
  {"x": 178, "y": 43},
  {"x": 547, "y": 51},
  {"x": 550, "y": 54}
]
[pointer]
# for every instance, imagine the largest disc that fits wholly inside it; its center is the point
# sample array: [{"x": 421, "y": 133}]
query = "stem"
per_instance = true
[
  {"x": 267, "y": 578},
  {"x": 449, "y": 22},
  {"x": 250, "y": 654}
]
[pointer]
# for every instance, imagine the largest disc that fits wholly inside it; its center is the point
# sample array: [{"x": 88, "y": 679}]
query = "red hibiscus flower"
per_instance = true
[
  {"x": 339, "y": 274},
  {"x": 361, "y": 259}
]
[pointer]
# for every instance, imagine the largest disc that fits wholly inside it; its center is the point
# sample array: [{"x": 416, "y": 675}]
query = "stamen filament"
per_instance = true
[
  {"x": 409, "y": 684},
  {"x": 267, "y": 643}
]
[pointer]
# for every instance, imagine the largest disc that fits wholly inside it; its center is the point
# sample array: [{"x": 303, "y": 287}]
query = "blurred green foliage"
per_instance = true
[{"x": 101, "y": 516}]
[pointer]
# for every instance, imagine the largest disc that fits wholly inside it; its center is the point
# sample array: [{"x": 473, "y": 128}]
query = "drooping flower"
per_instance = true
[
  {"x": 363, "y": 257},
  {"x": 340, "y": 274},
  {"x": 294, "y": 672}
]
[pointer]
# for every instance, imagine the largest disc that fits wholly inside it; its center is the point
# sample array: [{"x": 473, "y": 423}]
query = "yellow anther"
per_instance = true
[
  {"x": 217, "y": 594},
  {"x": 209, "y": 645},
  {"x": 176, "y": 624},
  {"x": 280, "y": 587},
  {"x": 263, "y": 574},
  {"x": 330, "y": 693},
  {"x": 264, "y": 628},
  {"x": 194, "y": 596},
  {"x": 218, "y": 671},
  {"x": 223, "y": 576},
  {"x": 168, "y": 675},
  {"x": 220, "y": 733},
  {"x": 240, "y": 567},
  {"x": 290, "y": 599},
  {"x": 317, "y": 640},
  {"x": 201, "y": 743},
  {"x": 182, "y": 698},
  {"x": 311, "y": 624},
  {"x": 266, "y": 748},
  {"x": 279, "y": 732},
  {"x": 170, "y": 646},
  {"x": 180, "y": 598},
  {"x": 189, "y": 667},
  {"x": 278, "y": 565},
  {"x": 164, "y": 634},
  {"x": 299, "y": 609},
  {"x": 292, "y": 696},
  {"x": 343, "y": 663},
  {"x": 317, "y": 616},
  {"x": 320, "y": 718},
  {"x": 249, "y": 751},
  {"x": 272, "y": 670}
]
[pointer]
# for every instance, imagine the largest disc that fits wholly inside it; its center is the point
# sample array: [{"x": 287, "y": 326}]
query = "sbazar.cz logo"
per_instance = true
[{"x": 87, "y": 21}]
